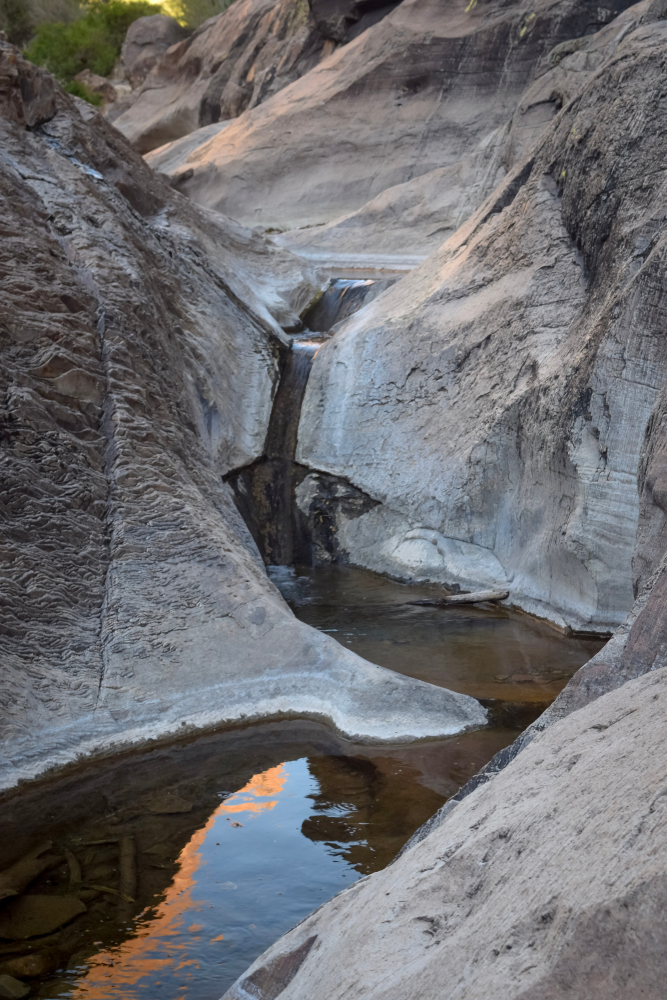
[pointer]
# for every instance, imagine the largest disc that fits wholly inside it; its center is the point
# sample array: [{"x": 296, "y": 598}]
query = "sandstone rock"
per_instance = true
[
  {"x": 97, "y": 84},
  {"x": 416, "y": 217},
  {"x": 415, "y": 93},
  {"x": 147, "y": 40},
  {"x": 33, "y": 916},
  {"x": 547, "y": 882},
  {"x": 496, "y": 399},
  {"x": 232, "y": 62},
  {"x": 139, "y": 343}
]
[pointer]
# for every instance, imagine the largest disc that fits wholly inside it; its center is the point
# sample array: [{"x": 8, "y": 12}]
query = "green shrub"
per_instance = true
[
  {"x": 93, "y": 41},
  {"x": 79, "y": 89},
  {"x": 16, "y": 21},
  {"x": 192, "y": 13}
]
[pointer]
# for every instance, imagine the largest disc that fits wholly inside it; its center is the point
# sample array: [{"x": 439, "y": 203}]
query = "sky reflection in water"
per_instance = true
[{"x": 238, "y": 889}]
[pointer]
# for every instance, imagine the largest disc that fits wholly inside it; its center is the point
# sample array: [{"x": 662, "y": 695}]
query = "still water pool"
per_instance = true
[{"x": 167, "y": 872}]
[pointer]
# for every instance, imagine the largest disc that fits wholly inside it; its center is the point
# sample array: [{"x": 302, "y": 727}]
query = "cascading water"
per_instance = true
[{"x": 265, "y": 491}]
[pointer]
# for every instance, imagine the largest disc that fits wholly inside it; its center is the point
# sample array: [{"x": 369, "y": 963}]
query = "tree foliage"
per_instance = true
[{"x": 93, "y": 41}]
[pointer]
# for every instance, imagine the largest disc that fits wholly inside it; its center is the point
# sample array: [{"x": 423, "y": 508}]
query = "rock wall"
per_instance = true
[
  {"x": 496, "y": 399},
  {"x": 233, "y": 62},
  {"x": 415, "y": 93},
  {"x": 138, "y": 358}
]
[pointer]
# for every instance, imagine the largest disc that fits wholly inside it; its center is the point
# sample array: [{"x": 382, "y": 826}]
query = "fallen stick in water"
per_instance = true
[{"x": 476, "y": 598}]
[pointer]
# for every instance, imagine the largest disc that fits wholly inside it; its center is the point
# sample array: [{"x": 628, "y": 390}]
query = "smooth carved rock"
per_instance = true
[
  {"x": 411, "y": 220},
  {"x": 501, "y": 392},
  {"x": 418, "y": 92},
  {"x": 147, "y": 40},
  {"x": 11, "y": 988},
  {"x": 139, "y": 341},
  {"x": 232, "y": 62},
  {"x": 548, "y": 881}
]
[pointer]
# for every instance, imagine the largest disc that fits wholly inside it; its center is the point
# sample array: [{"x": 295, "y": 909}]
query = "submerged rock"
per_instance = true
[
  {"x": 11, "y": 988},
  {"x": 33, "y": 916}
]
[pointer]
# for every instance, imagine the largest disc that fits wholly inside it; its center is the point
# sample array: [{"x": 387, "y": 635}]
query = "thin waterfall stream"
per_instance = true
[{"x": 166, "y": 872}]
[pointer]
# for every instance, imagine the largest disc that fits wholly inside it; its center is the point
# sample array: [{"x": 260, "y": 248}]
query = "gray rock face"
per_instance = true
[
  {"x": 138, "y": 360},
  {"x": 547, "y": 882},
  {"x": 496, "y": 399},
  {"x": 416, "y": 217},
  {"x": 147, "y": 40},
  {"x": 417, "y": 92},
  {"x": 232, "y": 62}
]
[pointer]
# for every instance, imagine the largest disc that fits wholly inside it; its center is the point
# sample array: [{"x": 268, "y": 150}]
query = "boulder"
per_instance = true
[
  {"x": 495, "y": 400},
  {"x": 27, "y": 94},
  {"x": 146, "y": 41},
  {"x": 140, "y": 338},
  {"x": 417, "y": 92},
  {"x": 97, "y": 84},
  {"x": 232, "y": 62}
]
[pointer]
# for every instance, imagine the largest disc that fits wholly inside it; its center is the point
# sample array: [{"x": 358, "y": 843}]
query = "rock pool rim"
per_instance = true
[{"x": 187, "y": 733}]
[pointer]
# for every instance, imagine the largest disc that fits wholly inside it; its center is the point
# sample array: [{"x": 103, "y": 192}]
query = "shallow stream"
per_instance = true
[{"x": 167, "y": 872}]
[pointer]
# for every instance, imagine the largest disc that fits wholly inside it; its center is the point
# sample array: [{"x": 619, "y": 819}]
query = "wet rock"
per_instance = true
[
  {"x": 12, "y": 988},
  {"x": 32, "y": 916},
  {"x": 32, "y": 966},
  {"x": 166, "y": 804},
  {"x": 146, "y": 41}
]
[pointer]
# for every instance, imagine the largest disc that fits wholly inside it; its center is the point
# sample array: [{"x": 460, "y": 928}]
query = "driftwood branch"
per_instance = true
[{"x": 477, "y": 598}]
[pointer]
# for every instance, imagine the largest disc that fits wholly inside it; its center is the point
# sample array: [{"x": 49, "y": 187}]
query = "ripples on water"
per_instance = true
[{"x": 238, "y": 835}]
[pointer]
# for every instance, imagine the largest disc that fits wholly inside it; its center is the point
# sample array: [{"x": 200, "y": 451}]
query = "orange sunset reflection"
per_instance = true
[{"x": 161, "y": 943}]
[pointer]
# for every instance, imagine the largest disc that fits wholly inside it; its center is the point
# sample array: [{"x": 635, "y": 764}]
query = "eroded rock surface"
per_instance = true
[
  {"x": 496, "y": 399},
  {"x": 413, "y": 219},
  {"x": 232, "y": 62},
  {"x": 139, "y": 340},
  {"x": 547, "y": 882},
  {"x": 415, "y": 93}
]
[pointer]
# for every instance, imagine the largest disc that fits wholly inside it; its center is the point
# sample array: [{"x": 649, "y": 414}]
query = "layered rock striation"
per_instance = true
[
  {"x": 139, "y": 356},
  {"x": 420, "y": 91}
]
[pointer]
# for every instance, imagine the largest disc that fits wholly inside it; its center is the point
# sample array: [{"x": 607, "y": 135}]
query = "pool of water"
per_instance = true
[
  {"x": 229, "y": 840},
  {"x": 164, "y": 874},
  {"x": 488, "y": 651}
]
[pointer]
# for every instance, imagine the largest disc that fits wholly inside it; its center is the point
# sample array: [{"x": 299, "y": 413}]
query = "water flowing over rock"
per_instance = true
[{"x": 140, "y": 338}]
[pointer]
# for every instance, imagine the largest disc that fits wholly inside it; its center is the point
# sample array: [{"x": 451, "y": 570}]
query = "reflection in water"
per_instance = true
[
  {"x": 171, "y": 941},
  {"x": 220, "y": 873},
  {"x": 240, "y": 834}
]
